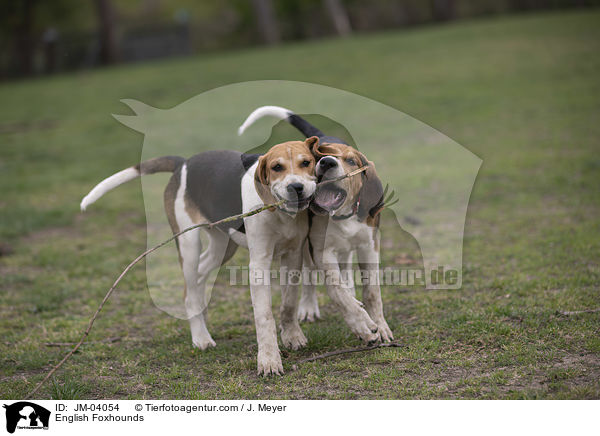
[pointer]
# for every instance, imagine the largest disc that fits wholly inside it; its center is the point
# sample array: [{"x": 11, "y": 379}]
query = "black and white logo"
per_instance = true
[{"x": 26, "y": 415}]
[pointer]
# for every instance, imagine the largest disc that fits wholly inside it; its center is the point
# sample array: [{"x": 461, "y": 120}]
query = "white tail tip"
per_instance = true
[
  {"x": 273, "y": 111},
  {"x": 107, "y": 184}
]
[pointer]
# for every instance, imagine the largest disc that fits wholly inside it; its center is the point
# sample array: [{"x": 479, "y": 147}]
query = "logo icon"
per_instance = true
[{"x": 26, "y": 415}]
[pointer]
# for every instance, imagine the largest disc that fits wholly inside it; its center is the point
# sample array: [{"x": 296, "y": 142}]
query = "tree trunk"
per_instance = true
[
  {"x": 443, "y": 10},
  {"x": 106, "y": 27},
  {"x": 266, "y": 20},
  {"x": 24, "y": 44},
  {"x": 339, "y": 17}
]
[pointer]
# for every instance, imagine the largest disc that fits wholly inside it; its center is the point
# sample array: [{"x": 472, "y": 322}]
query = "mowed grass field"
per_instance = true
[{"x": 522, "y": 92}]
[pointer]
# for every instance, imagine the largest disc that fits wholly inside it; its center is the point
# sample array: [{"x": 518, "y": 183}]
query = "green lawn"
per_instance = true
[{"x": 523, "y": 93}]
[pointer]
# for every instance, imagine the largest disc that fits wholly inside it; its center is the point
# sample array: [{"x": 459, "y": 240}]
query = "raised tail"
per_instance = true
[
  {"x": 283, "y": 114},
  {"x": 165, "y": 164}
]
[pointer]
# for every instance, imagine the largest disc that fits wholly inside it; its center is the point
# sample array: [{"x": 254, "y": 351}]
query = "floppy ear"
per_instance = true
[
  {"x": 261, "y": 182},
  {"x": 363, "y": 160},
  {"x": 371, "y": 193},
  {"x": 319, "y": 149},
  {"x": 313, "y": 145},
  {"x": 324, "y": 149},
  {"x": 261, "y": 176}
]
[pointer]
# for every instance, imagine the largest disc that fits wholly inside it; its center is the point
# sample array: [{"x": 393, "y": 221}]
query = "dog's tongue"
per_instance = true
[{"x": 327, "y": 199}]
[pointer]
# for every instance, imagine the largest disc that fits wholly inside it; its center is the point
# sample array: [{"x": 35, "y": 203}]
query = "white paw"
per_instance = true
[
  {"x": 308, "y": 311},
  {"x": 203, "y": 342},
  {"x": 292, "y": 337},
  {"x": 363, "y": 326},
  {"x": 385, "y": 333},
  {"x": 269, "y": 363}
]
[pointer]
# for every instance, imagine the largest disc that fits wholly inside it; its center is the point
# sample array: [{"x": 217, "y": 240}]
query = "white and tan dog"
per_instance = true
[
  {"x": 345, "y": 220},
  {"x": 217, "y": 184}
]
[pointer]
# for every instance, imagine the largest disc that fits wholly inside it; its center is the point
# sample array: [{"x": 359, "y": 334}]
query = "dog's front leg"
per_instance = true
[
  {"x": 269, "y": 360},
  {"x": 308, "y": 309},
  {"x": 368, "y": 259},
  {"x": 355, "y": 316},
  {"x": 291, "y": 333}
]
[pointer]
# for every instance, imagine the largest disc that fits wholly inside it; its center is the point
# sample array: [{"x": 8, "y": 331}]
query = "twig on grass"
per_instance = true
[
  {"x": 70, "y": 344},
  {"x": 126, "y": 270},
  {"x": 346, "y": 351},
  {"x": 576, "y": 312}
]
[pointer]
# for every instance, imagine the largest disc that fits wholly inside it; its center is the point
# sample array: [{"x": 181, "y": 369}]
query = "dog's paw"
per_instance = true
[
  {"x": 385, "y": 333},
  {"x": 363, "y": 326},
  {"x": 203, "y": 342},
  {"x": 308, "y": 311},
  {"x": 269, "y": 364},
  {"x": 293, "y": 338}
]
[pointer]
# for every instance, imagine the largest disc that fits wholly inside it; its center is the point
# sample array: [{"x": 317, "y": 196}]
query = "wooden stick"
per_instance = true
[
  {"x": 349, "y": 350},
  {"x": 345, "y": 176},
  {"x": 577, "y": 312},
  {"x": 126, "y": 270},
  {"x": 69, "y": 344}
]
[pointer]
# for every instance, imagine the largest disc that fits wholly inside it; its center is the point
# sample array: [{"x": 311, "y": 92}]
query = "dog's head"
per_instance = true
[
  {"x": 287, "y": 172},
  {"x": 364, "y": 189}
]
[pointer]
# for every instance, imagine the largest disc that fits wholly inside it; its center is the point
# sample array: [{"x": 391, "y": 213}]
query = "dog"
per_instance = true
[
  {"x": 344, "y": 220},
  {"x": 217, "y": 184}
]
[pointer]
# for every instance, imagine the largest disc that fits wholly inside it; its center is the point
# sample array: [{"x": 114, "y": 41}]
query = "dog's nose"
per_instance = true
[
  {"x": 327, "y": 163},
  {"x": 295, "y": 188}
]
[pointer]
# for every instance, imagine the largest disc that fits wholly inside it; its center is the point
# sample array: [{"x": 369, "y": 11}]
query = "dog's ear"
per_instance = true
[
  {"x": 261, "y": 181},
  {"x": 261, "y": 175},
  {"x": 324, "y": 149},
  {"x": 363, "y": 160},
  {"x": 313, "y": 145},
  {"x": 371, "y": 192},
  {"x": 319, "y": 149}
]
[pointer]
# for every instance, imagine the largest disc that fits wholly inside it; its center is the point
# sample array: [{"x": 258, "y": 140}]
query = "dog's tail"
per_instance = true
[
  {"x": 165, "y": 164},
  {"x": 283, "y": 114}
]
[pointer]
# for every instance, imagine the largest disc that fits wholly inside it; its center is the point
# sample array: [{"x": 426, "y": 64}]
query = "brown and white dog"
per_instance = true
[
  {"x": 345, "y": 221},
  {"x": 216, "y": 184}
]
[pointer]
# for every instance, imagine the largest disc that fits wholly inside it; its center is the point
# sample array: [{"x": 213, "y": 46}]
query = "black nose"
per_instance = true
[
  {"x": 328, "y": 162},
  {"x": 296, "y": 188}
]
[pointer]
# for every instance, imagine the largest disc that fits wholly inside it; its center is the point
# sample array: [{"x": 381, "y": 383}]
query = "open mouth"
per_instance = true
[{"x": 329, "y": 197}]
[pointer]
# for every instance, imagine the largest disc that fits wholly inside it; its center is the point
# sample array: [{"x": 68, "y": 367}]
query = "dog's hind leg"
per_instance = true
[
  {"x": 195, "y": 299},
  {"x": 182, "y": 215},
  {"x": 218, "y": 251}
]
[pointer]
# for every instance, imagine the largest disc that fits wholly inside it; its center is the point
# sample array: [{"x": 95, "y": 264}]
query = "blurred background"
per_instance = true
[
  {"x": 45, "y": 37},
  {"x": 514, "y": 82}
]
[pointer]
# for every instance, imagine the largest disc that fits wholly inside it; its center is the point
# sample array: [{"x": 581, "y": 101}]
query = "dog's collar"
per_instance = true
[{"x": 350, "y": 215}]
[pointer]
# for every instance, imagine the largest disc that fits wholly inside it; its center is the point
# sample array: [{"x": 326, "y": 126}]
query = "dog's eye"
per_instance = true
[
  {"x": 350, "y": 161},
  {"x": 305, "y": 163},
  {"x": 277, "y": 167}
]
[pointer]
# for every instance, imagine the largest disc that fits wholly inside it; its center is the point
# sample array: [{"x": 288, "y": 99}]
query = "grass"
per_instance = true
[{"x": 520, "y": 92}]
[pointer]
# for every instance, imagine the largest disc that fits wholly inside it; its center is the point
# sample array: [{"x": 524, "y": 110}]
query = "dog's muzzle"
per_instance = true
[
  {"x": 295, "y": 197},
  {"x": 326, "y": 164}
]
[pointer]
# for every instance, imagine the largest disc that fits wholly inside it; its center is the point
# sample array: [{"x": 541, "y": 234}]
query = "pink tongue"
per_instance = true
[{"x": 327, "y": 199}]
